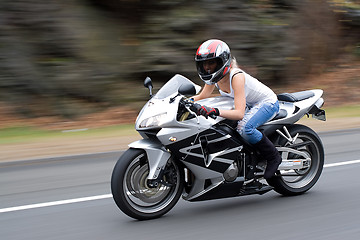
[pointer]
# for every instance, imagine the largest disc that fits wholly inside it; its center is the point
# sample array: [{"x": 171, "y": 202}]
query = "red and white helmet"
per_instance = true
[{"x": 213, "y": 49}]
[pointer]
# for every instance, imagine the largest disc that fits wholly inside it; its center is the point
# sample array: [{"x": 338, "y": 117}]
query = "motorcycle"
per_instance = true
[{"x": 198, "y": 158}]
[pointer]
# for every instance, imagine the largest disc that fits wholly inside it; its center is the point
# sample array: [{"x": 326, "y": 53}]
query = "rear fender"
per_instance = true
[
  {"x": 297, "y": 109},
  {"x": 156, "y": 154}
]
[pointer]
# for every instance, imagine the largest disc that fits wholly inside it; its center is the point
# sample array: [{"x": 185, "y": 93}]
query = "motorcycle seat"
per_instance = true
[{"x": 295, "y": 97}]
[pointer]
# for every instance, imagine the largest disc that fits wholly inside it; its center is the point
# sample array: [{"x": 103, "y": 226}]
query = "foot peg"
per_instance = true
[{"x": 255, "y": 187}]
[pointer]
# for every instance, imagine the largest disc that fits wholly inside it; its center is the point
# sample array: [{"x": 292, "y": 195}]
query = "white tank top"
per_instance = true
[{"x": 255, "y": 91}]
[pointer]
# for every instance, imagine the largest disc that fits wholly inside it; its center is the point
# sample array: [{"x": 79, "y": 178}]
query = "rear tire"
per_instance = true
[
  {"x": 133, "y": 195},
  {"x": 303, "y": 179}
]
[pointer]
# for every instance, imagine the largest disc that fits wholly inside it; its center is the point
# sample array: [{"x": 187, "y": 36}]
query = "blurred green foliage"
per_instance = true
[{"x": 68, "y": 58}]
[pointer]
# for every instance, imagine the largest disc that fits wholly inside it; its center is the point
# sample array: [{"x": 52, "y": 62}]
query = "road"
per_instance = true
[{"x": 330, "y": 210}]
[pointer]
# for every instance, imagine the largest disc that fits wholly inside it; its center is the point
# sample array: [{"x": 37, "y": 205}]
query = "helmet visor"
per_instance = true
[{"x": 209, "y": 66}]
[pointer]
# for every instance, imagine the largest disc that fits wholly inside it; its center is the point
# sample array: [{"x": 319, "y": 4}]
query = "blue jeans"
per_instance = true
[{"x": 254, "y": 118}]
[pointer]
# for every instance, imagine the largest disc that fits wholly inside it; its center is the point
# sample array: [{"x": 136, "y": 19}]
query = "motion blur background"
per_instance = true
[{"x": 64, "y": 61}]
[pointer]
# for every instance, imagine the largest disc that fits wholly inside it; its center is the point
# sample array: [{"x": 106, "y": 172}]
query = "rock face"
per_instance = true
[{"x": 72, "y": 57}]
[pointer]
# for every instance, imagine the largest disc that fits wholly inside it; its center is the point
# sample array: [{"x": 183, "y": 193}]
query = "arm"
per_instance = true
[
  {"x": 238, "y": 85},
  {"x": 205, "y": 92}
]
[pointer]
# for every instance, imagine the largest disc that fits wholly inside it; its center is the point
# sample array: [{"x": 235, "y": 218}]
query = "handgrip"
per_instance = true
[{"x": 212, "y": 116}]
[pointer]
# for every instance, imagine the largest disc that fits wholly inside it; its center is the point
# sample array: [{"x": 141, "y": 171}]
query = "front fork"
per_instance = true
[{"x": 157, "y": 157}]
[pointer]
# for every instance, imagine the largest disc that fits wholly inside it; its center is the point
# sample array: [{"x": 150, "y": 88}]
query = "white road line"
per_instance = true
[
  {"x": 104, "y": 196},
  {"x": 341, "y": 163},
  {"x": 55, "y": 203}
]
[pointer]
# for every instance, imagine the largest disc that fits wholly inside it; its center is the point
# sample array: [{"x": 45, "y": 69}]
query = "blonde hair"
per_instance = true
[{"x": 234, "y": 63}]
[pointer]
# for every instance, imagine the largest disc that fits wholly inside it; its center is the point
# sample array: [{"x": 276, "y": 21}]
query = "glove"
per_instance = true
[
  {"x": 204, "y": 110},
  {"x": 209, "y": 112}
]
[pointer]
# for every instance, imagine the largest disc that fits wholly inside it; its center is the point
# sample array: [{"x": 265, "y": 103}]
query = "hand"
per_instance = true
[
  {"x": 205, "y": 111},
  {"x": 209, "y": 112}
]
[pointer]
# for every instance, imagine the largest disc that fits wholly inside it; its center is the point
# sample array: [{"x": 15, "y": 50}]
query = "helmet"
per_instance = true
[{"x": 213, "y": 49}]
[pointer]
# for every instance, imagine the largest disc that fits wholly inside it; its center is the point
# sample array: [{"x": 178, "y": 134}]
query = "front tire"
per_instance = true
[
  {"x": 300, "y": 181},
  {"x": 133, "y": 195}
]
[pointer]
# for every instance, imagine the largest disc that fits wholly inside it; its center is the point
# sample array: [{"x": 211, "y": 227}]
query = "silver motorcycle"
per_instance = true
[{"x": 198, "y": 158}]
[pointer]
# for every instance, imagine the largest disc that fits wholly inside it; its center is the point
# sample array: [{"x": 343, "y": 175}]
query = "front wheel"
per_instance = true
[
  {"x": 134, "y": 196},
  {"x": 295, "y": 182}
]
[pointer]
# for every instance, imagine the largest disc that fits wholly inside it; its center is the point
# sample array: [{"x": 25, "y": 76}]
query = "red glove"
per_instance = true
[{"x": 205, "y": 111}]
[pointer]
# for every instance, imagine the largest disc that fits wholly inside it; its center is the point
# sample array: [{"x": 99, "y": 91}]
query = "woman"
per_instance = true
[{"x": 217, "y": 69}]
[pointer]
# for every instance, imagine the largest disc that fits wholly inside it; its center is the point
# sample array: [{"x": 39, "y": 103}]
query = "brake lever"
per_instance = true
[
  {"x": 188, "y": 105},
  {"x": 193, "y": 113}
]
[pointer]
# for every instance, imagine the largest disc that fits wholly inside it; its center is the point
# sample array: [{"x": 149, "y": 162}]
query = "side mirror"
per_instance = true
[
  {"x": 148, "y": 84},
  {"x": 187, "y": 89}
]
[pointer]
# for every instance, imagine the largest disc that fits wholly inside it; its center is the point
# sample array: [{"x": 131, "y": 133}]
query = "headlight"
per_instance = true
[{"x": 153, "y": 121}]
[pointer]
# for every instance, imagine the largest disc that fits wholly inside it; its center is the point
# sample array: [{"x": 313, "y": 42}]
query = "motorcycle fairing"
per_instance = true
[
  {"x": 156, "y": 155},
  {"x": 207, "y": 155},
  {"x": 211, "y": 149}
]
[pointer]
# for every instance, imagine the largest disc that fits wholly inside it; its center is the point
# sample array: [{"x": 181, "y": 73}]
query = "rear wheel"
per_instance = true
[
  {"x": 296, "y": 182},
  {"x": 132, "y": 193}
]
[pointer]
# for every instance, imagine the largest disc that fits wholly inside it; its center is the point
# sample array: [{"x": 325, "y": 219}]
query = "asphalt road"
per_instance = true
[{"x": 330, "y": 210}]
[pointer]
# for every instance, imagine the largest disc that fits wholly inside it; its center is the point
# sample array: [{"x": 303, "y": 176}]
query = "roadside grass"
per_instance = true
[
  {"x": 18, "y": 134},
  {"x": 343, "y": 111}
]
